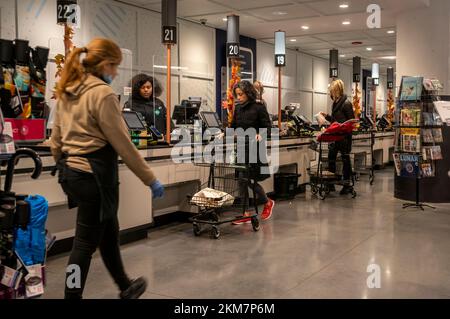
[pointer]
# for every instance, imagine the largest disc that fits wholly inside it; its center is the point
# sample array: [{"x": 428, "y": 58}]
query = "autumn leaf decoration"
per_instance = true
[
  {"x": 60, "y": 59},
  {"x": 235, "y": 79}
]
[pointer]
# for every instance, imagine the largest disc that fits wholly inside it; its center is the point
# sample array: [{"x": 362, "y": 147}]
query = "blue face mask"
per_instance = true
[{"x": 108, "y": 78}]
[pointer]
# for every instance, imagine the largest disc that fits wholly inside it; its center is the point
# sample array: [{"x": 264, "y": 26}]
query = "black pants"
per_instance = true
[
  {"x": 343, "y": 147},
  {"x": 244, "y": 185},
  {"x": 91, "y": 233}
]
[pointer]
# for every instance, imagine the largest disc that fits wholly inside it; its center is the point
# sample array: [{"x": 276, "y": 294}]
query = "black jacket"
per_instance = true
[
  {"x": 342, "y": 111},
  {"x": 251, "y": 115},
  {"x": 154, "y": 116}
]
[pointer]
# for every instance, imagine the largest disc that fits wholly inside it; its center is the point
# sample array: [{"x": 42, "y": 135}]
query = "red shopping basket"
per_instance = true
[{"x": 337, "y": 131}]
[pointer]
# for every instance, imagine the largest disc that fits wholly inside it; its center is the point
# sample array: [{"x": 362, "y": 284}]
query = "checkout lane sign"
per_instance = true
[{"x": 68, "y": 12}]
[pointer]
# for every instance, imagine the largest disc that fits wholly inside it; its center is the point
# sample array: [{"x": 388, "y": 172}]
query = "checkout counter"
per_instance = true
[{"x": 137, "y": 210}]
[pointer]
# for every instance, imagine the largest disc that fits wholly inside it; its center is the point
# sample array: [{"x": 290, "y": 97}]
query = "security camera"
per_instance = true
[{"x": 203, "y": 21}]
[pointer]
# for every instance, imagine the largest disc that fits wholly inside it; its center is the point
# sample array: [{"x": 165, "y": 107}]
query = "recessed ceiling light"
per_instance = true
[
  {"x": 342, "y": 55},
  {"x": 369, "y": 49},
  {"x": 293, "y": 40},
  {"x": 389, "y": 57},
  {"x": 225, "y": 19},
  {"x": 279, "y": 13},
  {"x": 343, "y": 6},
  {"x": 391, "y": 32},
  {"x": 346, "y": 22},
  {"x": 305, "y": 27}
]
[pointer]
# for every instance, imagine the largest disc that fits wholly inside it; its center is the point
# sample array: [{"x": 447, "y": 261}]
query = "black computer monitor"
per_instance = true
[
  {"x": 211, "y": 119},
  {"x": 185, "y": 114},
  {"x": 133, "y": 121}
]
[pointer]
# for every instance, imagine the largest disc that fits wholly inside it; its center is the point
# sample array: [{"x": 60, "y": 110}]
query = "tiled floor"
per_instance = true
[{"x": 310, "y": 249}]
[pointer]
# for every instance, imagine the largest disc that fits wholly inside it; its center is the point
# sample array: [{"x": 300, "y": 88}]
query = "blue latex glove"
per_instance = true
[{"x": 157, "y": 189}]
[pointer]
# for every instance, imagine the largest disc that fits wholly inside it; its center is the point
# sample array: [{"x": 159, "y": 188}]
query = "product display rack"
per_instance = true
[{"x": 416, "y": 99}]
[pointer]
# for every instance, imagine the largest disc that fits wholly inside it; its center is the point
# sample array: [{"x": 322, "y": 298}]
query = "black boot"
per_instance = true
[
  {"x": 136, "y": 289},
  {"x": 346, "y": 190}
]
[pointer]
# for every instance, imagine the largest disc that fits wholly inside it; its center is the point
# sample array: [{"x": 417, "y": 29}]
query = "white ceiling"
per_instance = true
[{"x": 260, "y": 18}]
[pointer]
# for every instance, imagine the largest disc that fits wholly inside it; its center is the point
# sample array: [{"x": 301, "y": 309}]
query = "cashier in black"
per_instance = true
[{"x": 144, "y": 99}]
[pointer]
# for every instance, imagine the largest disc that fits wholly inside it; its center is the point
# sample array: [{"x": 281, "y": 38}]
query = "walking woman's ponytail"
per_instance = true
[{"x": 99, "y": 52}]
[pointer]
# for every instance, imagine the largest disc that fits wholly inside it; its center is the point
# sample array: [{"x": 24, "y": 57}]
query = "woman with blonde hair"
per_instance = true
[
  {"x": 88, "y": 135},
  {"x": 342, "y": 111}
]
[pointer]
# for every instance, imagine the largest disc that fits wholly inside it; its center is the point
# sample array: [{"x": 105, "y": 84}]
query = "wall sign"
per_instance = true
[
  {"x": 169, "y": 35},
  {"x": 280, "y": 60},
  {"x": 233, "y": 50},
  {"x": 67, "y": 11}
]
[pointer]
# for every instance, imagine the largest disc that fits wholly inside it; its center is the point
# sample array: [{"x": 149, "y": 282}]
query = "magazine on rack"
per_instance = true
[
  {"x": 411, "y": 88},
  {"x": 437, "y": 135},
  {"x": 397, "y": 163},
  {"x": 436, "y": 153},
  {"x": 428, "y": 118},
  {"x": 411, "y": 143},
  {"x": 426, "y": 153},
  {"x": 410, "y": 117},
  {"x": 427, "y": 169},
  {"x": 409, "y": 165},
  {"x": 428, "y": 136}
]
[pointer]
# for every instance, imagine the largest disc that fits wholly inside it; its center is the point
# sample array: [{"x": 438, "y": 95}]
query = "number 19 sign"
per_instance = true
[{"x": 280, "y": 60}]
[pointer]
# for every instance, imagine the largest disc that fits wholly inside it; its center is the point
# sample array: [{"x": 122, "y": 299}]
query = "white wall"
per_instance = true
[
  {"x": 305, "y": 80},
  {"x": 423, "y": 43},
  {"x": 134, "y": 29}
]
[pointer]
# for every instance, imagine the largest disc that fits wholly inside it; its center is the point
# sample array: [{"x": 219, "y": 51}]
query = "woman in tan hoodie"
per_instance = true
[{"x": 89, "y": 134}]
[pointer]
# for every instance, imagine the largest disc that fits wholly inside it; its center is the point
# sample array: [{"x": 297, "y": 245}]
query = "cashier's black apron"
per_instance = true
[{"x": 105, "y": 168}]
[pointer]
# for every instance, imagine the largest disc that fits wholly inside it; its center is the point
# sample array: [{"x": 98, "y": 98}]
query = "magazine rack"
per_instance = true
[{"x": 418, "y": 130}]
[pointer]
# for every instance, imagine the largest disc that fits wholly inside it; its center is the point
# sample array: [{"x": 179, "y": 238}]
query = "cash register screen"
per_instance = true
[
  {"x": 133, "y": 122},
  {"x": 211, "y": 119}
]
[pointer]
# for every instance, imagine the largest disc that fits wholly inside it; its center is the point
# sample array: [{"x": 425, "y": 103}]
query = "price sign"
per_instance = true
[
  {"x": 67, "y": 11},
  {"x": 280, "y": 60},
  {"x": 233, "y": 50},
  {"x": 390, "y": 85},
  {"x": 356, "y": 78},
  {"x": 169, "y": 35}
]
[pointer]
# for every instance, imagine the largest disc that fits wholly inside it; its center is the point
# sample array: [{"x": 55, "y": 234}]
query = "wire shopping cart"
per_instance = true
[
  {"x": 363, "y": 153},
  {"x": 322, "y": 181},
  {"x": 234, "y": 205}
]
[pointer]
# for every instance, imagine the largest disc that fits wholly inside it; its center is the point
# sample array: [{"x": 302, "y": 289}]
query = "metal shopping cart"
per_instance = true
[
  {"x": 363, "y": 155},
  {"x": 233, "y": 205},
  {"x": 322, "y": 181}
]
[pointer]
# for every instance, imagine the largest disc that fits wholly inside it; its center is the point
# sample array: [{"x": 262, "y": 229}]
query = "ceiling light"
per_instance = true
[
  {"x": 225, "y": 19},
  {"x": 293, "y": 40},
  {"x": 393, "y": 57},
  {"x": 305, "y": 27},
  {"x": 342, "y": 55},
  {"x": 391, "y": 32},
  {"x": 346, "y": 22},
  {"x": 343, "y": 6},
  {"x": 369, "y": 49},
  {"x": 279, "y": 13}
]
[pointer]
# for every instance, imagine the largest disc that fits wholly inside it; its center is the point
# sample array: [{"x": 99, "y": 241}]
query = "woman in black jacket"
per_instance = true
[
  {"x": 144, "y": 99},
  {"x": 342, "y": 111},
  {"x": 250, "y": 114}
]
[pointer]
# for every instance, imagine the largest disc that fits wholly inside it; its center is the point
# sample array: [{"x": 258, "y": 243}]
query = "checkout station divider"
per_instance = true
[{"x": 137, "y": 211}]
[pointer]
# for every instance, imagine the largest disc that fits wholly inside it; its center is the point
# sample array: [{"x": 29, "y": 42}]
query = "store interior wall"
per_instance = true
[
  {"x": 423, "y": 43},
  {"x": 134, "y": 29},
  {"x": 305, "y": 79}
]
